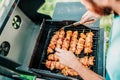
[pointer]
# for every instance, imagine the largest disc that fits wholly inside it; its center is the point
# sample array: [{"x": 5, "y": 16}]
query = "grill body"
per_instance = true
[{"x": 48, "y": 28}]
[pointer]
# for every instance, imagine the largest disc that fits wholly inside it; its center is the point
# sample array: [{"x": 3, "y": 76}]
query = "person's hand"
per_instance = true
[
  {"x": 67, "y": 58},
  {"x": 89, "y": 17}
]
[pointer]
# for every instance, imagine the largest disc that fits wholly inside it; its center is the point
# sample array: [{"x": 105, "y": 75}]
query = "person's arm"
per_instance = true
[
  {"x": 69, "y": 59},
  {"x": 89, "y": 17},
  {"x": 86, "y": 73}
]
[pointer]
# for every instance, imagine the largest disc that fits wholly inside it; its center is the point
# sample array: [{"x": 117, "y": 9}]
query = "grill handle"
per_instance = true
[{"x": 52, "y": 75}]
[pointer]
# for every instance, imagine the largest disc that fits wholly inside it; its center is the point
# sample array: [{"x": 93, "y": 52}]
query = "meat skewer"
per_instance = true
[
  {"x": 91, "y": 61},
  {"x": 66, "y": 41},
  {"x": 88, "y": 43},
  {"x": 73, "y": 41},
  {"x": 68, "y": 71},
  {"x": 80, "y": 43},
  {"x": 87, "y": 61},
  {"x": 53, "y": 43},
  {"x": 54, "y": 65},
  {"x": 60, "y": 39},
  {"x": 64, "y": 69},
  {"x": 53, "y": 57}
]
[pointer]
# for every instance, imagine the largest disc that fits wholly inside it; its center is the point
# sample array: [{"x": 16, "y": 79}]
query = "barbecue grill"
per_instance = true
[
  {"x": 25, "y": 49},
  {"x": 48, "y": 28}
]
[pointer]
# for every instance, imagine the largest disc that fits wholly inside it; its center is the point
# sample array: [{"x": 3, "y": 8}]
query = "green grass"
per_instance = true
[
  {"x": 49, "y": 5},
  {"x": 106, "y": 23}
]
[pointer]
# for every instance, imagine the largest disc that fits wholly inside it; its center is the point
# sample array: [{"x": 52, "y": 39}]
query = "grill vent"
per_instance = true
[{"x": 16, "y": 22}]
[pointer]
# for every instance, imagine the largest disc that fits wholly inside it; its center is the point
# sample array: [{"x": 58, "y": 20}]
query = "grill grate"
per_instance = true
[
  {"x": 80, "y": 30},
  {"x": 40, "y": 51}
]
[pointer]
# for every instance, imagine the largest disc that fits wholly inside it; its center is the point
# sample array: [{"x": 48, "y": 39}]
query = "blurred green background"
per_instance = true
[
  {"x": 49, "y": 6},
  {"x": 105, "y": 22}
]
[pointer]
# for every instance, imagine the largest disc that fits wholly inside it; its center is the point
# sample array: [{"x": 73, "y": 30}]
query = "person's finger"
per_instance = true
[
  {"x": 86, "y": 14},
  {"x": 60, "y": 57},
  {"x": 89, "y": 22},
  {"x": 82, "y": 21},
  {"x": 57, "y": 54},
  {"x": 85, "y": 19},
  {"x": 59, "y": 50}
]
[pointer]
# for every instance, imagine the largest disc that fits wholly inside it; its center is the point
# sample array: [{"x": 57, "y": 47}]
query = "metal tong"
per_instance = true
[{"x": 76, "y": 24}]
